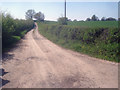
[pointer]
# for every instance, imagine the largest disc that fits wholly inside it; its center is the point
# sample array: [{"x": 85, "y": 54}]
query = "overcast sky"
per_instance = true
[{"x": 54, "y": 10}]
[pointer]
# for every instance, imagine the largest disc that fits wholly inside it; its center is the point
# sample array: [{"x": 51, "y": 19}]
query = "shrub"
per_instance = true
[
  {"x": 62, "y": 21},
  {"x": 14, "y": 29}
]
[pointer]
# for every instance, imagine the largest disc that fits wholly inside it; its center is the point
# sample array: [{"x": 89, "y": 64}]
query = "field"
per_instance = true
[
  {"x": 96, "y": 38},
  {"x": 95, "y": 24},
  {"x": 89, "y": 24}
]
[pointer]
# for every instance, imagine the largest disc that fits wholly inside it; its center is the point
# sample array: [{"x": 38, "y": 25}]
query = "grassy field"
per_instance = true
[
  {"x": 89, "y": 24},
  {"x": 95, "y": 24},
  {"x": 97, "y": 39}
]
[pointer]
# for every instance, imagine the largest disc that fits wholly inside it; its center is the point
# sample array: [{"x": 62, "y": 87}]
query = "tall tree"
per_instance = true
[
  {"x": 94, "y": 18},
  {"x": 103, "y": 19},
  {"x": 30, "y": 14},
  {"x": 39, "y": 16},
  {"x": 88, "y": 19}
]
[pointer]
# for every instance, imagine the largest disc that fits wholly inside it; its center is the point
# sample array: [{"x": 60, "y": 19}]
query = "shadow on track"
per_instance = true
[
  {"x": 3, "y": 82},
  {"x": 6, "y": 57}
]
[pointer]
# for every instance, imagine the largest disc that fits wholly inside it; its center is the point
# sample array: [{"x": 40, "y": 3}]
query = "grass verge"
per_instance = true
[{"x": 97, "y": 42}]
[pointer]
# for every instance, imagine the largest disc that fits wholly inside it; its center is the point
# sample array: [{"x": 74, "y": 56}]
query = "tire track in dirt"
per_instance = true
[{"x": 39, "y": 63}]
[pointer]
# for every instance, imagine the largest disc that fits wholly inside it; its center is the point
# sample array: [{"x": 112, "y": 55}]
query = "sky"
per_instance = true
[{"x": 54, "y": 10}]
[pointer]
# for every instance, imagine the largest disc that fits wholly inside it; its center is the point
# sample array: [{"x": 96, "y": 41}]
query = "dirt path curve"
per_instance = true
[{"x": 37, "y": 63}]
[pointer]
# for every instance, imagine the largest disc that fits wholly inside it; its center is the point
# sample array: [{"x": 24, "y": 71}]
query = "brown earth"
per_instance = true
[{"x": 38, "y": 63}]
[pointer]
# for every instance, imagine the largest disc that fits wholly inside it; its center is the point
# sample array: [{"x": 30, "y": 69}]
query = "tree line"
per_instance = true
[
  {"x": 63, "y": 20},
  {"x": 15, "y": 29},
  {"x": 31, "y": 14},
  {"x": 95, "y": 18}
]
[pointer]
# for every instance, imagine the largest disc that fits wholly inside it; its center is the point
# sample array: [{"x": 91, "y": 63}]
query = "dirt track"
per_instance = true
[{"x": 37, "y": 63}]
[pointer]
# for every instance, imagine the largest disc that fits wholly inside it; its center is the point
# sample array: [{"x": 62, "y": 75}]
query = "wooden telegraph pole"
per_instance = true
[
  {"x": 65, "y": 8},
  {"x": 65, "y": 13}
]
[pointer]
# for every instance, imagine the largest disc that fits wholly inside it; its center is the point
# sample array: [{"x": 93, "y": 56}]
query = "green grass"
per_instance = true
[
  {"x": 94, "y": 24},
  {"x": 51, "y": 22},
  {"x": 89, "y": 24},
  {"x": 101, "y": 42}
]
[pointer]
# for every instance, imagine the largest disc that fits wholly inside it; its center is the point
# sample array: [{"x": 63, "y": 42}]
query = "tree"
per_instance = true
[
  {"x": 69, "y": 20},
  {"x": 110, "y": 19},
  {"x": 88, "y": 19},
  {"x": 103, "y": 19},
  {"x": 94, "y": 18},
  {"x": 30, "y": 14},
  {"x": 75, "y": 20},
  {"x": 62, "y": 20},
  {"x": 39, "y": 16}
]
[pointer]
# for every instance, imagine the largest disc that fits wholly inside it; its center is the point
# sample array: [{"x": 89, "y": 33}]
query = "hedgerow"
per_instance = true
[
  {"x": 13, "y": 30},
  {"x": 95, "y": 41}
]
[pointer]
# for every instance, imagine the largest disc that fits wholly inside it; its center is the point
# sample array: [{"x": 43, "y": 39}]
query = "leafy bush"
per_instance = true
[
  {"x": 14, "y": 39},
  {"x": 23, "y": 33},
  {"x": 13, "y": 30},
  {"x": 62, "y": 21}
]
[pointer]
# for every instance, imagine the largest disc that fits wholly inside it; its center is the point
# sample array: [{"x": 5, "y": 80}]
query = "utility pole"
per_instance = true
[
  {"x": 65, "y": 13},
  {"x": 65, "y": 8}
]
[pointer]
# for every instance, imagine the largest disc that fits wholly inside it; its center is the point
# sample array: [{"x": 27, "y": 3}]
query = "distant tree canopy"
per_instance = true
[
  {"x": 88, "y": 19},
  {"x": 103, "y": 19},
  {"x": 30, "y": 14},
  {"x": 110, "y": 19},
  {"x": 95, "y": 18},
  {"x": 69, "y": 20},
  {"x": 62, "y": 20},
  {"x": 75, "y": 20},
  {"x": 39, "y": 16}
]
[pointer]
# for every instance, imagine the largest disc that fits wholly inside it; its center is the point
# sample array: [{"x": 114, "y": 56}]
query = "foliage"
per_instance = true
[
  {"x": 110, "y": 19},
  {"x": 62, "y": 20},
  {"x": 103, "y": 19},
  {"x": 30, "y": 14},
  {"x": 101, "y": 42},
  {"x": 39, "y": 16},
  {"x": 88, "y": 19},
  {"x": 94, "y": 18},
  {"x": 13, "y": 30}
]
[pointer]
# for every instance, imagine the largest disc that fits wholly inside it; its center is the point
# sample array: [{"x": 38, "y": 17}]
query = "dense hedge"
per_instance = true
[
  {"x": 13, "y": 30},
  {"x": 98, "y": 42}
]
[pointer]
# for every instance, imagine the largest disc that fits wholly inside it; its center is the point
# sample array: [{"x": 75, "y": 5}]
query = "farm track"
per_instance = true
[{"x": 38, "y": 63}]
